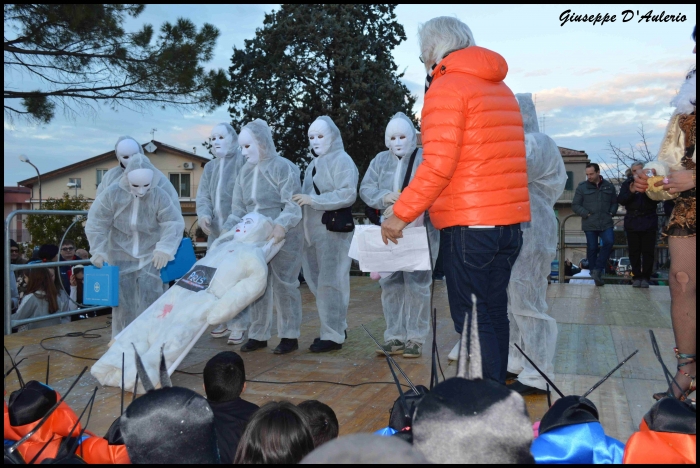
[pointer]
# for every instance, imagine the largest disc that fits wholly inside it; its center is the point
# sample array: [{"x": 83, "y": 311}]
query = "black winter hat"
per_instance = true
[{"x": 47, "y": 252}]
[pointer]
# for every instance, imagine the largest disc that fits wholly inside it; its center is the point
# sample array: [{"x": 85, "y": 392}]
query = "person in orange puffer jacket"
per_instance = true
[{"x": 473, "y": 180}]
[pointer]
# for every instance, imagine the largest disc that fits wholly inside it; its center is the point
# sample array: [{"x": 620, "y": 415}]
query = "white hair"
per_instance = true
[{"x": 443, "y": 35}]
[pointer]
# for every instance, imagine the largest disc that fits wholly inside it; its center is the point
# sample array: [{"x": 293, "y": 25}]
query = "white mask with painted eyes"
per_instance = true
[
  {"x": 221, "y": 141},
  {"x": 320, "y": 137},
  {"x": 398, "y": 131},
  {"x": 249, "y": 147},
  {"x": 125, "y": 149},
  {"x": 253, "y": 228},
  {"x": 140, "y": 181}
]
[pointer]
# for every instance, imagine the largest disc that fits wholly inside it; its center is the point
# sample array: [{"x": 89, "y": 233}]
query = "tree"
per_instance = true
[
  {"x": 80, "y": 55},
  {"x": 49, "y": 229},
  {"x": 622, "y": 159},
  {"x": 313, "y": 60}
]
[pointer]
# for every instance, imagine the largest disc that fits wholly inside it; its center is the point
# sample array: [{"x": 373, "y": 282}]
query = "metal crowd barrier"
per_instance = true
[{"x": 9, "y": 268}]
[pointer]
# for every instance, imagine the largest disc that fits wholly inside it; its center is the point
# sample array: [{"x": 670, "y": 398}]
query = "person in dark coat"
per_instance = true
[
  {"x": 224, "y": 381},
  {"x": 641, "y": 227}
]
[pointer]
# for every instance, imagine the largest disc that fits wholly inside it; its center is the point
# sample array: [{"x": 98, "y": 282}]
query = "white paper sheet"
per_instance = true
[{"x": 410, "y": 254}]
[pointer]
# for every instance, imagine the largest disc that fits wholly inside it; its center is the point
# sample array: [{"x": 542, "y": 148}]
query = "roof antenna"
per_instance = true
[
  {"x": 164, "y": 377},
  {"x": 141, "y": 370},
  {"x": 391, "y": 359},
  {"x": 14, "y": 364},
  {"x": 47, "y": 415},
  {"x": 600, "y": 382},
  {"x": 48, "y": 362},
  {"x": 544, "y": 376},
  {"x": 469, "y": 365},
  {"x": 121, "y": 404}
]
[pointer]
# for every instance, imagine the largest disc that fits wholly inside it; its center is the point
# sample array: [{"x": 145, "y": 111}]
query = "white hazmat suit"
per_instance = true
[
  {"x": 405, "y": 295},
  {"x": 265, "y": 185},
  {"x": 133, "y": 232},
  {"x": 217, "y": 288},
  {"x": 124, "y": 149},
  {"x": 530, "y": 326},
  {"x": 325, "y": 261},
  {"x": 217, "y": 182}
]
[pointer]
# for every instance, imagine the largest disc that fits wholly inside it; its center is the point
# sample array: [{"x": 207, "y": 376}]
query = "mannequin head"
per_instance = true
[
  {"x": 254, "y": 227},
  {"x": 140, "y": 181},
  {"x": 249, "y": 147},
  {"x": 222, "y": 139},
  {"x": 399, "y": 133},
  {"x": 320, "y": 137},
  {"x": 126, "y": 148}
]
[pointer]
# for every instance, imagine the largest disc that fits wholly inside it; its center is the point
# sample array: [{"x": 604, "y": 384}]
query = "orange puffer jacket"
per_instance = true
[{"x": 473, "y": 171}]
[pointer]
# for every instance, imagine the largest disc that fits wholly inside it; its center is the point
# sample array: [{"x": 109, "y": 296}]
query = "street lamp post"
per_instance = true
[{"x": 25, "y": 159}]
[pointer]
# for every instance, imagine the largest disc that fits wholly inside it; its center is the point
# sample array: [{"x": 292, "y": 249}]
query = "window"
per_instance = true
[
  {"x": 569, "y": 180},
  {"x": 76, "y": 182},
  {"x": 181, "y": 182},
  {"x": 100, "y": 174}
]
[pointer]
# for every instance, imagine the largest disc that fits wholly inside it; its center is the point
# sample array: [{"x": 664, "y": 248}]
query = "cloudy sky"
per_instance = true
[{"x": 592, "y": 83}]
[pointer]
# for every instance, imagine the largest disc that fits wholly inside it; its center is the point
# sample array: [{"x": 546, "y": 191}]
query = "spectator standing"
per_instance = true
[
  {"x": 44, "y": 296},
  {"x": 67, "y": 254},
  {"x": 277, "y": 434},
  {"x": 641, "y": 225},
  {"x": 16, "y": 257},
  {"x": 477, "y": 193},
  {"x": 322, "y": 420},
  {"x": 584, "y": 275},
  {"x": 596, "y": 202},
  {"x": 224, "y": 382}
]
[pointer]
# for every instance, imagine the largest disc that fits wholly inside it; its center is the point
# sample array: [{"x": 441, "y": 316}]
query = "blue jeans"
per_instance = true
[
  {"x": 597, "y": 255},
  {"x": 479, "y": 262}
]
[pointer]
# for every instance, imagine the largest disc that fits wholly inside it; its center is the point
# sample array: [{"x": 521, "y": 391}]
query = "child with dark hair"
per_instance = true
[
  {"x": 322, "y": 420},
  {"x": 277, "y": 434},
  {"x": 224, "y": 381},
  {"x": 44, "y": 296}
]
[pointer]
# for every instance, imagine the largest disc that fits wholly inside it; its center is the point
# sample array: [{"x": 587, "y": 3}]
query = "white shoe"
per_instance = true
[
  {"x": 220, "y": 331},
  {"x": 454, "y": 354},
  {"x": 236, "y": 337}
]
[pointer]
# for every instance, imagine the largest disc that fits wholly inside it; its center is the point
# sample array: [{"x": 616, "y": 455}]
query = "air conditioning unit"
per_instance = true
[{"x": 188, "y": 165}]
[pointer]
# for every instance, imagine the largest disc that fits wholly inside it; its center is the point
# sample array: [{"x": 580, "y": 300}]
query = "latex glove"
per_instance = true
[
  {"x": 389, "y": 212},
  {"x": 160, "y": 259},
  {"x": 301, "y": 199},
  {"x": 278, "y": 233},
  {"x": 205, "y": 224},
  {"x": 390, "y": 198},
  {"x": 98, "y": 261}
]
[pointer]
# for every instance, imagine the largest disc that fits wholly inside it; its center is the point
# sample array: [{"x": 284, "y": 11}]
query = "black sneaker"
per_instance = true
[
  {"x": 597, "y": 276},
  {"x": 637, "y": 283},
  {"x": 511, "y": 376},
  {"x": 316, "y": 340},
  {"x": 253, "y": 345},
  {"x": 644, "y": 284},
  {"x": 524, "y": 390},
  {"x": 287, "y": 345},
  {"x": 323, "y": 346}
]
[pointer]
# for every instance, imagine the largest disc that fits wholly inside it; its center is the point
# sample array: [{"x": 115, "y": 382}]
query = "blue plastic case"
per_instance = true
[
  {"x": 184, "y": 259},
  {"x": 101, "y": 286}
]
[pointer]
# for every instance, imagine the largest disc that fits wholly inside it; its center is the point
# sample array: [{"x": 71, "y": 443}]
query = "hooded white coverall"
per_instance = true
[
  {"x": 530, "y": 326},
  {"x": 126, "y": 230},
  {"x": 405, "y": 295},
  {"x": 325, "y": 260},
  {"x": 267, "y": 188}
]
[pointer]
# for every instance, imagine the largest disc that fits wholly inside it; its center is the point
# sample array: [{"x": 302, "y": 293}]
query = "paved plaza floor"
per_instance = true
[{"x": 598, "y": 327}]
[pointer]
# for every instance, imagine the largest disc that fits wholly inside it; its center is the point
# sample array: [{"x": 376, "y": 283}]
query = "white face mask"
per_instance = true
[
  {"x": 399, "y": 141},
  {"x": 249, "y": 147},
  {"x": 221, "y": 141},
  {"x": 126, "y": 149},
  {"x": 320, "y": 137},
  {"x": 140, "y": 181},
  {"x": 252, "y": 228}
]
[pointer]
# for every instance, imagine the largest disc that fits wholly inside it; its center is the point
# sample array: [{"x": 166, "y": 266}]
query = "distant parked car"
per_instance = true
[{"x": 623, "y": 265}]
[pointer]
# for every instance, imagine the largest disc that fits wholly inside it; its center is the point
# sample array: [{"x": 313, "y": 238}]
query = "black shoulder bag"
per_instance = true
[
  {"x": 373, "y": 214},
  {"x": 336, "y": 220}
]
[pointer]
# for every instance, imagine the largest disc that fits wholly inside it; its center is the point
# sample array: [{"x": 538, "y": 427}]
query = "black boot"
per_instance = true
[
  {"x": 316, "y": 340},
  {"x": 287, "y": 345},
  {"x": 523, "y": 389},
  {"x": 323, "y": 346},
  {"x": 253, "y": 345}
]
